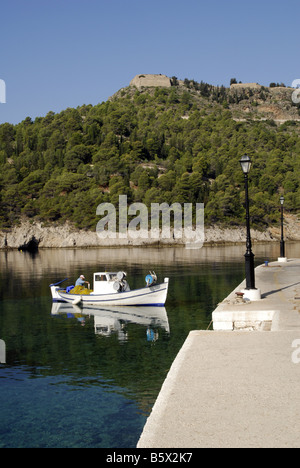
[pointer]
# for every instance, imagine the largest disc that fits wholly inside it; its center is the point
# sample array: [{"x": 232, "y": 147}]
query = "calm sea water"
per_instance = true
[{"x": 88, "y": 378}]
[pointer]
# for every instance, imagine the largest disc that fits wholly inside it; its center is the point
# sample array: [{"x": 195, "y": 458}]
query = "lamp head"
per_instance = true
[
  {"x": 282, "y": 199},
  {"x": 245, "y": 162}
]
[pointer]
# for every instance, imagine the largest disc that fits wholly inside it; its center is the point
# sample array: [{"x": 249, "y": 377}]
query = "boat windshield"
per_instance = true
[{"x": 100, "y": 278}]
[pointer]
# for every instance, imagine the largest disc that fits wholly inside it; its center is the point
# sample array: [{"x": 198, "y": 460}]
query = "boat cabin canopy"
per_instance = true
[
  {"x": 108, "y": 276},
  {"x": 104, "y": 281}
]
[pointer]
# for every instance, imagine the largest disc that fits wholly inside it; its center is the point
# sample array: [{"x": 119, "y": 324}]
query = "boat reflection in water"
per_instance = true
[{"x": 111, "y": 320}]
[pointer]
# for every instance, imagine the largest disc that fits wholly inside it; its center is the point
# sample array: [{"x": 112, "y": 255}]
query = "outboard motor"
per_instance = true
[{"x": 151, "y": 278}]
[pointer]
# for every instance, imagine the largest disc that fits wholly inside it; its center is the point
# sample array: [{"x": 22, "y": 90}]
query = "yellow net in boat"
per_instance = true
[{"x": 80, "y": 290}]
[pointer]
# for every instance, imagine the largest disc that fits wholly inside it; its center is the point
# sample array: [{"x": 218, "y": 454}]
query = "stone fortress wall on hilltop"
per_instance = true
[{"x": 141, "y": 81}]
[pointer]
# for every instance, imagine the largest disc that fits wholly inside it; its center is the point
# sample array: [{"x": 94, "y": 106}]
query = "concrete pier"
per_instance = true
[
  {"x": 237, "y": 388},
  {"x": 278, "y": 308}
]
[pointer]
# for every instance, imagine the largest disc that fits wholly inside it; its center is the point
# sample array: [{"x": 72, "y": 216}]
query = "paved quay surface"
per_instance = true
[
  {"x": 232, "y": 389},
  {"x": 279, "y": 308}
]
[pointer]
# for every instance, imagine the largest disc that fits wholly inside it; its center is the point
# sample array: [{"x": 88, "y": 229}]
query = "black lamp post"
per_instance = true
[
  {"x": 282, "y": 246},
  {"x": 249, "y": 256}
]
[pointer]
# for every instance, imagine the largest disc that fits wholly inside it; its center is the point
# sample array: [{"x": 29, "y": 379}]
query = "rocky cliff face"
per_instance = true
[
  {"x": 260, "y": 103},
  {"x": 35, "y": 235}
]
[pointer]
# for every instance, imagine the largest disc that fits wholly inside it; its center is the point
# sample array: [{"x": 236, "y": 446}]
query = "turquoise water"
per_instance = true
[{"x": 88, "y": 378}]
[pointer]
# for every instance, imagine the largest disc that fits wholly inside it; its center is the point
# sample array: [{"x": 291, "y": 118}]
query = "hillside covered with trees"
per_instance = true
[{"x": 179, "y": 144}]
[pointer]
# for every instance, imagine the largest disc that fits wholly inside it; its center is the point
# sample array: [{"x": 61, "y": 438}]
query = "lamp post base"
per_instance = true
[
  {"x": 252, "y": 294},
  {"x": 249, "y": 270},
  {"x": 282, "y": 259}
]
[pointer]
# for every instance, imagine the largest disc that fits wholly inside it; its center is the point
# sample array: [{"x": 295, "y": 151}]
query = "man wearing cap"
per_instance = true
[{"x": 80, "y": 281}]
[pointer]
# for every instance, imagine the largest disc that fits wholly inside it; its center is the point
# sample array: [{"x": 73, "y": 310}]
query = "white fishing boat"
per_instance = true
[{"x": 110, "y": 288}]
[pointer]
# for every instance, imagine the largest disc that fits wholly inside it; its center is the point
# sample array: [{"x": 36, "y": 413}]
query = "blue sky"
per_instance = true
[{"x": 66, "y": 53}]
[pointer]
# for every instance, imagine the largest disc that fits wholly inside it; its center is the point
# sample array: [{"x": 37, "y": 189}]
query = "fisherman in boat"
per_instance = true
[{"x": 80, "y": 281}]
